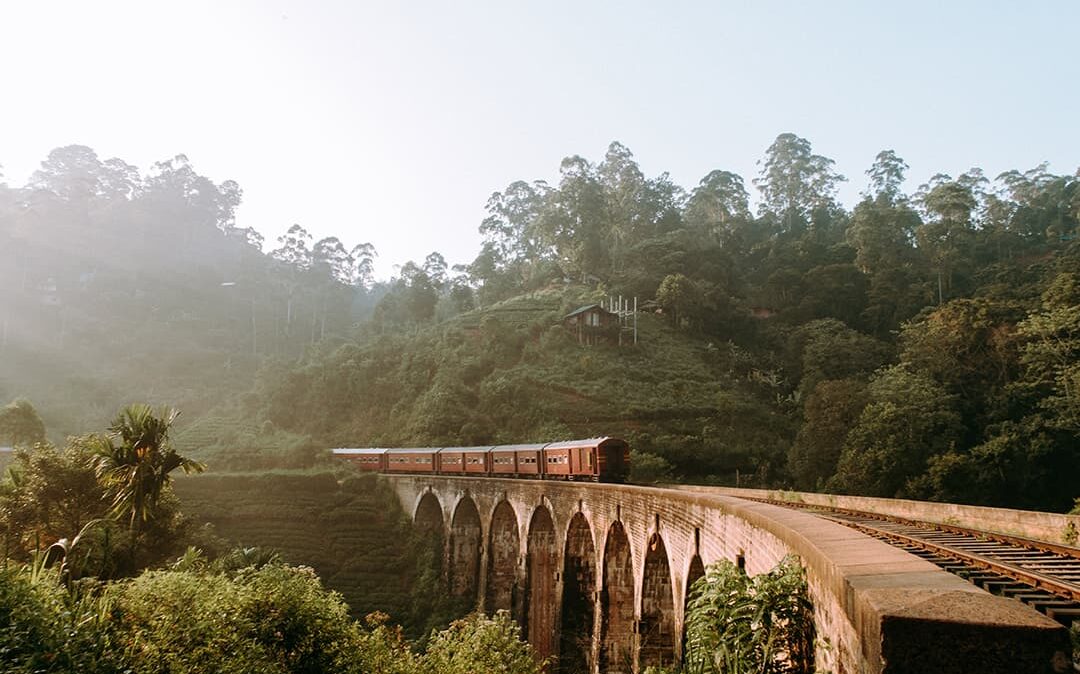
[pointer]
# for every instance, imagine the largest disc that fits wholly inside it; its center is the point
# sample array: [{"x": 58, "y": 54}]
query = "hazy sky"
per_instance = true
[{"x": 392, "y": 122}]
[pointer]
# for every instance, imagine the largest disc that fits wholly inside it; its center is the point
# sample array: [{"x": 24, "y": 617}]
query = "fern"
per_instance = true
[{"x": 741, "y": 625}]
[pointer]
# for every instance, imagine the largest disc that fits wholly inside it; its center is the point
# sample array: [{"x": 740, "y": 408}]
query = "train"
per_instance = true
[{"x": 595, "y": 459}]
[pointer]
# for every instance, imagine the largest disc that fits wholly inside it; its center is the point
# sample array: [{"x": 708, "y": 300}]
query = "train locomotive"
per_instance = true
[{"x": 596, "y": 459}]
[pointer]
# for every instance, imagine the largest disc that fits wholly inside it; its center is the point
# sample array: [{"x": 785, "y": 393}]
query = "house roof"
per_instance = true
[{"x": 587, "y": 307}]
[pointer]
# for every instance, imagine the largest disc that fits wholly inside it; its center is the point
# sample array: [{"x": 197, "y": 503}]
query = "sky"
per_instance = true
[{"x": 393, "y": 122}]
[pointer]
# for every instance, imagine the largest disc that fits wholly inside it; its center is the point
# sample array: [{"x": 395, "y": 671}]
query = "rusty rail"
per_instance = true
[{"x": 999, "y": 563}]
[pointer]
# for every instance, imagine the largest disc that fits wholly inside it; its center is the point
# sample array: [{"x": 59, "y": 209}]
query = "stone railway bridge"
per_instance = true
[{"x": 598, "y": 576}]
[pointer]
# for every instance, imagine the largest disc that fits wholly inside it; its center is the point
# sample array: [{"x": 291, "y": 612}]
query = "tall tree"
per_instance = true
[
  {"x": 946, "y": 233},
  {"x": 886, "y": 177},
  {"x": 794, "y": 181},
  {"x": 573, "y": 220},
  {"x": 294, "y": 249},
  {"x": 513, "y": 224},
  {"x": 718, "y": 204},
  {"x": 135, "y": 459},
  {"x": 363, "y": 256},
  {"x": 20, "y": 424},
  {"x": 331, "y": 261}
]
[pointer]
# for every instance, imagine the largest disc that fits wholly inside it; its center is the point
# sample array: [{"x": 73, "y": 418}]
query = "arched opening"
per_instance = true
[
  {"x": 503, "y": 593},
  {"x": 657, "y": 629},
  {"x": 578, "y": 595},
  {"x": 465, "y": 538},
  {"x": 429, "y": 583},
  {"x": 617, "y": 605},
  {"x": 540, "y": 583},
  {"x": 429, "y": 515},
  {"x": 693, "y": 573}
]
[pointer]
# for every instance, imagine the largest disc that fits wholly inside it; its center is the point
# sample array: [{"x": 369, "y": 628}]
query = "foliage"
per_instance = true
[
  {"x": 831, "y": 410},
  {"x": 47, "y": 628},
  {"x": 265, "y": 617},
  {"x": 49, "y": 494},
  {"x": 135, "y": 459},
  {"x": 736, "y": 623},
  {"x": 65, "y": 502},
  {"x": 909, "y": 419},
  {"x": 646, "y": 468},
  {"x": 481, "y": 644},
  {"x": 20, "y": 424}
]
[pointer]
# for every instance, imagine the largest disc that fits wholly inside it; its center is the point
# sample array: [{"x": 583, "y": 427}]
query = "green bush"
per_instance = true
[
  {"x": 478, "y": 644},
  {"x": 46, "y": 628},
  {"x": 738, "y": 624},
  {"x": 648, "y": 468}
]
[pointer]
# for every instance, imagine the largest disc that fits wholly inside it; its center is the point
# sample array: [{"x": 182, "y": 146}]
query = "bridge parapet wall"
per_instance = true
[
  {"x": 1040, "y": 526},
  {"x": 877, "y": 609}
]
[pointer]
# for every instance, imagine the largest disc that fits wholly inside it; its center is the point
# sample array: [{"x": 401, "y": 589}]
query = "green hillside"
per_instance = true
[{"x": 512, "y": 372}]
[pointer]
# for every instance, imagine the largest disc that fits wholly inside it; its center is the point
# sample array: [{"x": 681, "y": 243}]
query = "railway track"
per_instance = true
[{"x": 1044, "y": 575}]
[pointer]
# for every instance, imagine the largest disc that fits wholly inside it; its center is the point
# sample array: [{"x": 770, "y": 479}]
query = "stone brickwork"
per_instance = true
[{"x": 876, "y": 608}]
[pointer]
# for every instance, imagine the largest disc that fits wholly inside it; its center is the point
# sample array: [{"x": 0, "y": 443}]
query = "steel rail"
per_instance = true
[{"x": 1035, "y": 579}]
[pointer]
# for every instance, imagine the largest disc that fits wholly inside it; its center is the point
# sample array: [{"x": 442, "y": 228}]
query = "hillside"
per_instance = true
[
  {"x": 349, "y": 529},
  {"x": 512, "y": 373}
]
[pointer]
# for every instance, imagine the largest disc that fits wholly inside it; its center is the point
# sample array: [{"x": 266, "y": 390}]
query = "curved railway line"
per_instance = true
[{"x": 1043, "y": 575}]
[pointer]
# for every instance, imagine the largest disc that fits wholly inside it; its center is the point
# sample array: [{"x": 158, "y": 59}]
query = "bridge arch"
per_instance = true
[
  {"x": 541, "y": 569},
  {"x": 429, "y": 513},
  {"x": 503, "y": 592},
  {"x": 578, "y": 597},
  {"x": 657, "y": 627},
  {"x": 465, "y": 543},
  {"x": 616, "y": 654},
  {"x": 695, "y": 570}
]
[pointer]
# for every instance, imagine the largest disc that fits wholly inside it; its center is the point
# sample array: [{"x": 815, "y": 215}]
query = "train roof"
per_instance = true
[
  {"x": 591, "y": 442},
  {"x": 531, "y": 447},
  {"x": 519, "y": 448},
  {"x": 485, "y": 448},
  {"x": 351, "y": 451}
]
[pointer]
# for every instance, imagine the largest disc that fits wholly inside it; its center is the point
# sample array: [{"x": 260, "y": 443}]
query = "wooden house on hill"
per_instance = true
[{"x": 592, "y": 324}]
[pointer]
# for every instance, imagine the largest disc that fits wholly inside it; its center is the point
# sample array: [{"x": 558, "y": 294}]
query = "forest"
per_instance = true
[{"x": 920, "y": 345}]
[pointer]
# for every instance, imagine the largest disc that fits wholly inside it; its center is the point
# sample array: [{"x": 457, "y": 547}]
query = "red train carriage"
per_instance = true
[
  {"x": 477, "y": 460},
  {"x": 529, "y": 459},
  {"x": 450, "y": 462},
  {"x": 503, "y": 462},
  {"x": 471, "y": 460},
  {"x": 411, "y": 460},
  {"x": 557, "y": 463},
  {"x": 371, "y": 459},
  {"x": 596, "y": 459}
]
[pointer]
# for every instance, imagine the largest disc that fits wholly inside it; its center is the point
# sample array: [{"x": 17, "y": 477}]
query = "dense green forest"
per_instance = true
[{"x": 923, "y": 345}]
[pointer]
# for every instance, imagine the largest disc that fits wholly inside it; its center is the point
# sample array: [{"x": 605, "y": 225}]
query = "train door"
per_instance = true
[{"x": 615, "y": 463}]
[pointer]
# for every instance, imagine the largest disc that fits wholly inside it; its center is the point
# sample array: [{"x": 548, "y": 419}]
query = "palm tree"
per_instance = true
[{"x": 134, "y": 460}]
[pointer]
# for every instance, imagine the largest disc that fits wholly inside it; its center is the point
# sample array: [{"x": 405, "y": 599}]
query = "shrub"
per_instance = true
[
  {"x": 738, "y": 624},
  {"x": 479, "y": 644}
]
